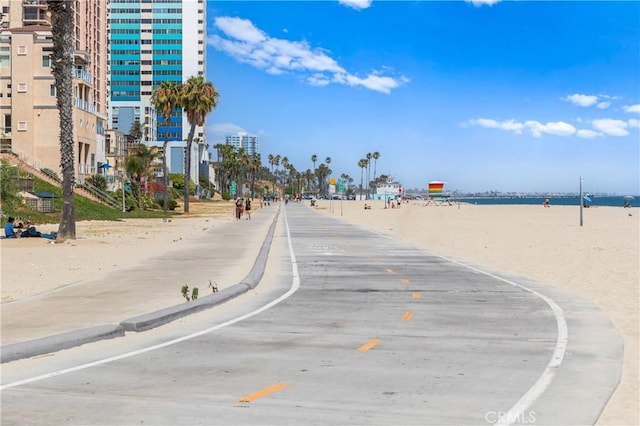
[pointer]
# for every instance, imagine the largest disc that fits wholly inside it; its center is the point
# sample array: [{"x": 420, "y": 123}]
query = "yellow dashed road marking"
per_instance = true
[
  {"x": 369, "y": 345},
  {"x": 404, "y": 281},
  {"x": 417, "y": 295},
  {"x": 263, "y": 392},
  {"x": 390, "y": 271},
  {"x": 407, "y": 316}
]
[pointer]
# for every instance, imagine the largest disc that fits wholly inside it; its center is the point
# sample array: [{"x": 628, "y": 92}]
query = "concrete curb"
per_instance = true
[
  {"x": 59, "y": 342},
  {"x": 163, "y": 316},
  {"x": 49, "y": 344}
]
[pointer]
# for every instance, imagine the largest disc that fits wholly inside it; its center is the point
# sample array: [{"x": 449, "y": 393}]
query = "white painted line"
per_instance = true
[
  {"x": 295, "y": 285},
  {"x": 517, "y": 412}
]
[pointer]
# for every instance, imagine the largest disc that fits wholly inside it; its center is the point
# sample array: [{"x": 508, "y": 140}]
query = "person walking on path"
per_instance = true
[
  {"x": 247, "y": 208},
  {"x": 238, "y": 208}
]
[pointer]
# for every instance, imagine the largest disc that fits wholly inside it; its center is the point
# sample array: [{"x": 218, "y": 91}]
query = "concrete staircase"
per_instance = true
[{"x": 83, "y": 190}]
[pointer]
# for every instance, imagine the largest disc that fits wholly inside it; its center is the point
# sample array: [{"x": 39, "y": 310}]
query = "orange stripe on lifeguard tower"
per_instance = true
[{"x": 436, "y": 187}]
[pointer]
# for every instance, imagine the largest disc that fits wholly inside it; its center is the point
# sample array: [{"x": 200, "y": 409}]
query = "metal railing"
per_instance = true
[
  {"x": 101, "y": 195},
  {"x": 51, "y": 174}
]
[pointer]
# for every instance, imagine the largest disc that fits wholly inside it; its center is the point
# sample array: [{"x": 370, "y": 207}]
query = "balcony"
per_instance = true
[
  {"x": 84, "y": 105},
  {"x": 81, "y": 57},
  {"x": 37, "y": 3},
  {"x": 83, "y": 75}
]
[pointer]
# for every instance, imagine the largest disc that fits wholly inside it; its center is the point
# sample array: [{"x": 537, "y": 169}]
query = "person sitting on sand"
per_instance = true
[
  {"x": 9, "y": 231},
  {"x": 546, "y": 203},
  {"x": 367, "y": 206}
]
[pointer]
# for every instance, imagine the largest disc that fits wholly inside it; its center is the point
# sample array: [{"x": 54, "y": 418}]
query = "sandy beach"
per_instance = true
[{"x": 598, "y": 261}]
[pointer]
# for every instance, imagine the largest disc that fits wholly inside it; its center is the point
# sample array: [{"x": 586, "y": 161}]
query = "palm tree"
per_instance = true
[
  {"x": 322, "y": 172},
  {"x": 140, "y": 165},
  {"x": 254, "y": 167},
  {"x": 198, "y": 98},
  {"x": 166, "y": 99},
  {"x": 314, "y": 158},
  {"x": 228, "y": 165},
  {"x": 276, "y": 163},
  {"x": 270, "y": 158},
  {"x": 135, "y": 131},
  {"x": 328, "y": 161},
  {"x": 62, "y": 31},
  {"x": 362, "y": 164},
  {"x": 369, "y": 156},
  {"x": 375, "y": 156},
  {"x": 285, "y": 167}
]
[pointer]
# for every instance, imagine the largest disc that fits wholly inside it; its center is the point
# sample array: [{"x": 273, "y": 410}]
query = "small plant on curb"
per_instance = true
[
  {"x": 185, "y": 292},
  {"x": 214, "y": 286}
]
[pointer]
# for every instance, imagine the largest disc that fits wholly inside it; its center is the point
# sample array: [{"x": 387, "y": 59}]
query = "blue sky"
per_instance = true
[{"x": 484, "y": 95}]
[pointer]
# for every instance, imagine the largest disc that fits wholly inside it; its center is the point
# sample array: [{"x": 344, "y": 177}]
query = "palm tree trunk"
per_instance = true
[
  {"x": 187, "y": 168},
  {"x": 62, "y": 31},
  {"x": 164, "y": 174}
]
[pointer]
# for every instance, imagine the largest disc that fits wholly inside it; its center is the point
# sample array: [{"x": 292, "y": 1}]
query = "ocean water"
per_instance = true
[{"x": 617, "y": 201}]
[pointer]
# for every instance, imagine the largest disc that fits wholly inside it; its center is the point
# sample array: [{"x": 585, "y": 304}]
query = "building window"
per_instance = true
[
  {"x": 22, "y": 126},
  {"x": 5, "y": 60},
  {"x": 22, "y": 87},
  {"x": 22, "y": 50},
  {"x": 52, "y": 90},
  {"x": 7, "y": 123},
  {"x": 46, "y": 61}
]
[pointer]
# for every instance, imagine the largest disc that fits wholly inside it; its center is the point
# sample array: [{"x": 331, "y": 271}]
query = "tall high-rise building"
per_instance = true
[
  {"x": 250, "y": 144},
  {"x": 29, "y": 119},
  {"x": 151, "y": 41}
]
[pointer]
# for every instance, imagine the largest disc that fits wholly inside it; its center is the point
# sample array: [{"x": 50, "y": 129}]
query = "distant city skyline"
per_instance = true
[
  {"x": 249, "y": 143},
  {"x": 507, "y": 96}
]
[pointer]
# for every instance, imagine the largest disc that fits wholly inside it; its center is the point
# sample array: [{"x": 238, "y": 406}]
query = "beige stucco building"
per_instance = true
[{"x": 29, "y": 119}]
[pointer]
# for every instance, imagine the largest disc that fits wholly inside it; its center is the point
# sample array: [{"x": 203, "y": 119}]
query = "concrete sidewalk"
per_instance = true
[{"x": 141, "y": 297}]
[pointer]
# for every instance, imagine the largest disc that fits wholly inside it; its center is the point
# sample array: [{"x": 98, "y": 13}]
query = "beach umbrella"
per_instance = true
[
  {"x": 628, "y": 197},
  {"x": 587, "y": 199}
]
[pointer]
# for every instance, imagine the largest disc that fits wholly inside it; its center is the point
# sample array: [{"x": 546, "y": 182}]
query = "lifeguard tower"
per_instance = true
[{"x": 437, "y": 194}]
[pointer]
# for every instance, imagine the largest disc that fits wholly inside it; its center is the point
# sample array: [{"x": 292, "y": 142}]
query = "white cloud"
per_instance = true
[
  {"x": 604, "y": 105},
  {"x": 224, "y": 129},
  {"x": 247, "y": 44},
  {"x": 479, "y": 3},
  {"x": 611, "y": 127},
  {"x": 510, "y": 125},
  {"x": 632, "y": 108},
  {"x": 587, "y": 134},
  {"x": 601, "y": 127},
  {"x": 582, "y": 100},
  {"x": 240, "y": 29},
  {"x": 559, "y": 128},
  {"x": 356, "y": 4}
]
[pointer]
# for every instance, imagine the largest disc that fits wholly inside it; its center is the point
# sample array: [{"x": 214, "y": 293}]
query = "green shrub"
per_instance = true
[
  {"x": 177, "y": 180},
  {"x": 98, "y": 181},
  {"x": 9, "y": 183}
]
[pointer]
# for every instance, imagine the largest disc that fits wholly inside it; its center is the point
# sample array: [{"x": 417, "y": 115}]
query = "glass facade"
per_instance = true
[{"x": 149, "y": 45}]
